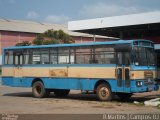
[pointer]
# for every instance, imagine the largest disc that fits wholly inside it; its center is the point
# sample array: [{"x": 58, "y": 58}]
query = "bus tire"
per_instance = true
[
  {"x": 104, "y": 92},
  {"x": 39, "y": 91},
  {"x": 61, "y": 93},
  {"x": 124, "y": 96}
]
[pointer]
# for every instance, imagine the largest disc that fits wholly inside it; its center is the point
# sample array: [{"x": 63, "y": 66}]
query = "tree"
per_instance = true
[
  {"x": 52, "y": 37},
  {"x": 49, "y": 37},
  {"x": 24, "y": 43},
  {"x": 38, "y": 40}
]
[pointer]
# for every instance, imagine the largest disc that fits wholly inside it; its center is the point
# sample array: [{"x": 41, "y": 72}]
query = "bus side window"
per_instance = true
[
  {"x": 53, "y": 56},
  {"x": 83, "y": 55},
  {"x": 8, "y": 58},
  {"x": 72, "y": 56},
  {"x": 36, "y": 58},
  {"x": 45, "y": 56},
  {"x": 104, "y": 54},
  {"x": 18, "y": 57},
  {"x": 120, "y": 58},
  {"x": 123, "y": 58},
  {"x": 27, "y": 56},
  {"x": 127, "y": 58},
  {"x": 63, "y": 55}
]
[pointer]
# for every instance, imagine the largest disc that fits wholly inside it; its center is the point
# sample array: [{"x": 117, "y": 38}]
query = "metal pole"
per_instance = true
[
  {"x": 94, "y": 38},
  {"x": 19, "y": 38},
  {"x": 81, "y": 39},
  {"x": 121, "y": 35}
]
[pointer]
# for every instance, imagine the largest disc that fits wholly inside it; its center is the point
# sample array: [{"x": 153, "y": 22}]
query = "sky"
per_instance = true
[{"x": 62, "y": 11}]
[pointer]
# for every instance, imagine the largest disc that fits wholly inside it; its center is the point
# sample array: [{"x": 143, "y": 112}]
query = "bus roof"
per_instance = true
[{"x": 80, "y": 44}]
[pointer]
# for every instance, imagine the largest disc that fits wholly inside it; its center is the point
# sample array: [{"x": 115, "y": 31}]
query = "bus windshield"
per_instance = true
[{"x": 143, "y": 56}]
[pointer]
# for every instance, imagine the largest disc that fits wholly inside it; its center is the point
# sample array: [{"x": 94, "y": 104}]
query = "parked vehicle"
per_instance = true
[{"x": 106, "y": 68}]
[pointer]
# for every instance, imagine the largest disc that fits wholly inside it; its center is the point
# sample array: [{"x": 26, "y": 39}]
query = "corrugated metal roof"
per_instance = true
[
  {"x": 35, "y": 27},
  {"x": 116, "y": 21}
]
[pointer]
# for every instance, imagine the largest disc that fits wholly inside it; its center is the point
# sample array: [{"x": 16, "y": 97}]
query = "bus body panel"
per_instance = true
[
  {"x": 78, "y": 71},
  {"x": 61, "y": 72},
  {"x": 79, "y": 76},
  {"x": 75, "y": 84}
]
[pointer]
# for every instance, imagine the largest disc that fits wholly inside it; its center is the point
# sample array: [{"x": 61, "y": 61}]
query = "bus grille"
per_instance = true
[
  {"x": 148, "y": 78},
  {"x": 148, "y": 82}
]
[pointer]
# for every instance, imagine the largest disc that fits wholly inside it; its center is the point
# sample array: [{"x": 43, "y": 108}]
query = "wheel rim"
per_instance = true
[
  {"x": 38, "y": 89},
  {"x": 104, "y": 92}
]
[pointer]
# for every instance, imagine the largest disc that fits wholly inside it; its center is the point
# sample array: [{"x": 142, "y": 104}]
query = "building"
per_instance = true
[
  {"x": 15, "y": 31},
  {"x": 134, "y": 26}
]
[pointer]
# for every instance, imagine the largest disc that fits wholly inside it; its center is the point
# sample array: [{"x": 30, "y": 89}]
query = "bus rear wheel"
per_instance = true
[
  {"x": 61, "y": 93},
  {"x": 104, "y": 92},
  {"x": 124, "y": 96},
  {"x": 39, "y": 91}
]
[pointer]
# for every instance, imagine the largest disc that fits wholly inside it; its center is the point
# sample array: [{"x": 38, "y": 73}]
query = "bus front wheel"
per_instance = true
[
  {"x": 39, "y": 90},
  {"x": 61, "y": 93},
  {"x": 104, "y": 92}
]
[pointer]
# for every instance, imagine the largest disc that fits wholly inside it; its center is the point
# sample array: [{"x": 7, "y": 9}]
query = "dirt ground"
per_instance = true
[{"x": 20, "y": 101}]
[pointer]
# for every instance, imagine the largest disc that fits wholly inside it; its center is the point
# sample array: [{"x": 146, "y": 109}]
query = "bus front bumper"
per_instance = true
[{"x": 145, "y": 88}]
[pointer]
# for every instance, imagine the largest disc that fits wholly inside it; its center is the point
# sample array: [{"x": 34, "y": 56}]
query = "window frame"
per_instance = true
[
  {"x": 63, "y": 53},
  {"x": 83, "y": 53},
  {"x": 103, "y": 53},
  {"x": 8, "y": 58}
]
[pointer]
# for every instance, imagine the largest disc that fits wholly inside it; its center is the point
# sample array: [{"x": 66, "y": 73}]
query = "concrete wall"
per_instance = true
[{"x": 8, "y": 38}]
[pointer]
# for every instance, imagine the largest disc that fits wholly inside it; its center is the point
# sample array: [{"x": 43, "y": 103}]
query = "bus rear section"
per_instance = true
[{"x": 105, "y": 68}]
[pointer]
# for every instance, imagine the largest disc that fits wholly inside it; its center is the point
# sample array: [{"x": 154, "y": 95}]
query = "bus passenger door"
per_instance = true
[
  {"x": 18, "y": 60},
  {"x": 123, "y": 71}
]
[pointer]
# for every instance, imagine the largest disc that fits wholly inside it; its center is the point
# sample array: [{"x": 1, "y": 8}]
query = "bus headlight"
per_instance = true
[{"x": 139, "y": 83}]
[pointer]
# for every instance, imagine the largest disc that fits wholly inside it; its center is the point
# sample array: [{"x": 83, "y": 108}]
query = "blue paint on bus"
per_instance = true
[{"x": 76, "y": 84}]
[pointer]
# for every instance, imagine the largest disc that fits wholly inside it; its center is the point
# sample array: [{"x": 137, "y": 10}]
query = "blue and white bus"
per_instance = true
[{"x": 106, "y": 68}]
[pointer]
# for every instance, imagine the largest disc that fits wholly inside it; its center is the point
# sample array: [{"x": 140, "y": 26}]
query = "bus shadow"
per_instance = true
[
  {"x": 145, "y": 98},
  {"x": 82, "y": 97},
  {"x": 137, "y": 98},
  {"x": 19, "y": 94},
  {"x": 70, "y": 96},
  {"x": 86, "y": 97}
]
